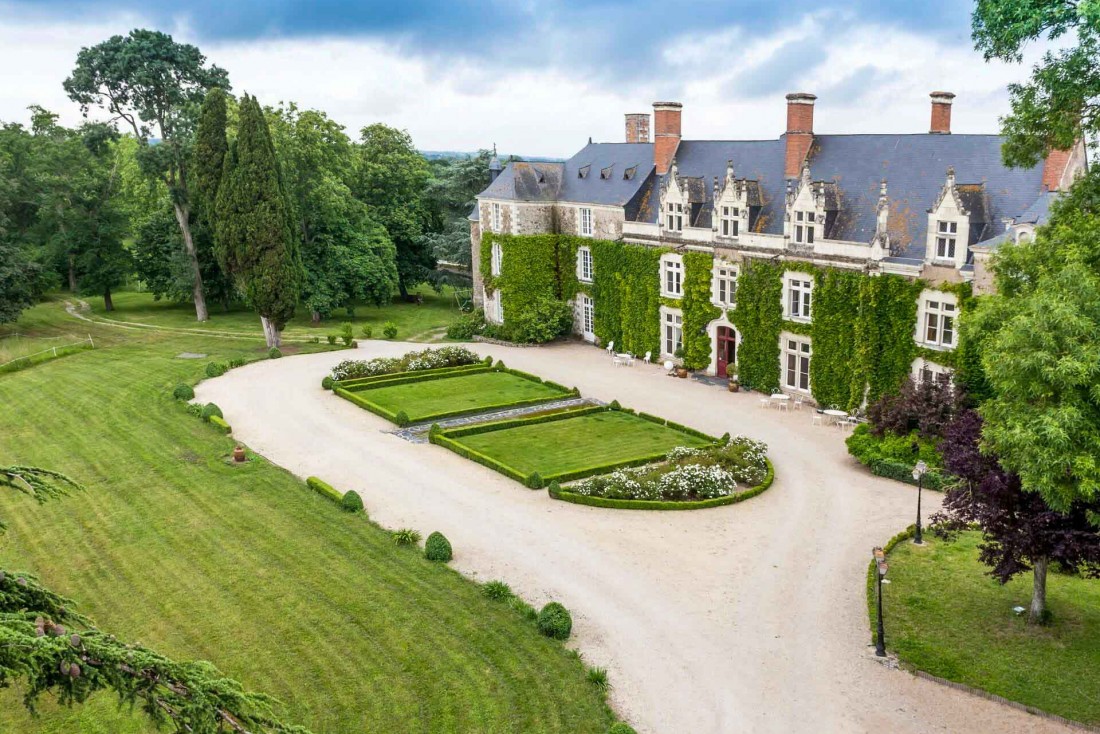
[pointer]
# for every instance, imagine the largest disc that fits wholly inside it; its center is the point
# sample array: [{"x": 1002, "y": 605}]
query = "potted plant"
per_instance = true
[
  {"x": 681, "y": 370},
  {"x": 238, "y": 453},
  {"x": 734, "y": 384}
]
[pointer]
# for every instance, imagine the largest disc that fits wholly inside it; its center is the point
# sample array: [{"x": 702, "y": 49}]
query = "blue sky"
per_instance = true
[{"x": 540, "y": 76}]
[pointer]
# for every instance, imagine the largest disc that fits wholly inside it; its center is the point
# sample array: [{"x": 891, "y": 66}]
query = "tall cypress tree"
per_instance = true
[
  {"x": 208, "y": 158},
  {"x": 254, "y": 241}
]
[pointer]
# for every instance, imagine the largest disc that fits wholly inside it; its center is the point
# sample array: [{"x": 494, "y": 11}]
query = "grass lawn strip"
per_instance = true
[
  {"x": 447, "y": 396},
  {"x": 246, "y": 567},
  {"x": 599, "y": 440},
  {"x": 945, "y": 616}
]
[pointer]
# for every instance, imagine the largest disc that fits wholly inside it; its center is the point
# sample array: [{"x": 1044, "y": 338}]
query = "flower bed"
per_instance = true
[
  {"x": 689, "y": 475},
  {"x": 426, "y": 359}
]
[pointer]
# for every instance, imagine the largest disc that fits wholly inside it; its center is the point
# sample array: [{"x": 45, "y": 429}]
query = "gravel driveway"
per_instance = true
[{"x": 746, "y": 618}]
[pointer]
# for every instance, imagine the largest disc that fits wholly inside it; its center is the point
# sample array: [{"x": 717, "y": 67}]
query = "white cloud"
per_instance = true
[{"x": 464, "y": 104}]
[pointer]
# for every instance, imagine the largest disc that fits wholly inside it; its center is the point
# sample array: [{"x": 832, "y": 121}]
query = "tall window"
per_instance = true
[
  {"x": 497, "y": 259},
  {"x": 799, "y": 294},
  {"x": 584, "y": 264},
  {"x": 804, "y": 227},
  {"x": 725, "y": 285},
  {"x": 672, "y": 277},
  {"x": 674, "y": 332},
  {"x": 497, "y": 217},
  {"x": 588, "y": 317},
  {"x": 586, "y": 221},
  {"x": 946, "y": 233},
  {"x": 939, "y": 323},
  {"x": 924, "y": 371},
  {"x": 730, "y": 219},
  {"x": 796, "y": 372},
  {"x": 498, "y": 309},
  {"x": 674, "y": 217}
]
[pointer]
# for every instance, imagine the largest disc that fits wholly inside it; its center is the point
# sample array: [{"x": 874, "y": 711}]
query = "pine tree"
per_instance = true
[{"x": 254, "y": 237}]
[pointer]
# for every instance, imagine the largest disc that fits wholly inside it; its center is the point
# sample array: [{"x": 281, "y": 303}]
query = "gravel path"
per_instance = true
[{"x": 746, "y": 618}]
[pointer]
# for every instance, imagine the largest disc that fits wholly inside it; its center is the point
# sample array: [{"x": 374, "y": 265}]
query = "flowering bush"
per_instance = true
[
  {"x": 426, "y": 359},
  {"x": 687, "y": 474}
]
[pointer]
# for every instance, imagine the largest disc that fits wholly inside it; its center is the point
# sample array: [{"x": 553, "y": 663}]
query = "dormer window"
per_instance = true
[
  {"x": 946, "y": 237},
  {"x": 804, "y": 228},
  {"x": 730, "y": 219},
  {"x": 582, "y": 172},
  {"x": 605, "y": 173},
  {"x": 628, "y": 174},
  {"x": 674, "y": 217}
]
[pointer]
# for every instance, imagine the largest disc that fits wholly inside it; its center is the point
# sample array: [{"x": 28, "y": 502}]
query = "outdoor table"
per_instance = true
[
  {"x": 781, "y": 400},
  {"x": 836, "y": 415},
  {"x": 626, "y": 358}
]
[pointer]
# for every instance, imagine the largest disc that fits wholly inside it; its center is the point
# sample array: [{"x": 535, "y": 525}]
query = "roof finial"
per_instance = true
[
  {"x": 882, "y": 189},
  {"x": 729, "y": 170}
]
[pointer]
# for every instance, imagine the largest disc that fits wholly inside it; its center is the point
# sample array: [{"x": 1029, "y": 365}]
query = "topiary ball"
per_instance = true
[
  {"x": 438, "y": 548},
  {"x": 210, "y": 409},
  {"x": 554, "y": 488},
  {"x": 620, "y": 727},
  {"x": 183, "y": 392},
  {"x": 327, "y": 383},
  {"x": 401, "y": 419},
  {"x": 352, "y": 502},
  {"x": 555, "y": 621},
  {"x": 215, "y": 369},
  {"x": 534, "y": 481},
  {"x": 615, "y": 405},
  {"x": 499, "y": 365},
  {"x": 274, "y": 353}
]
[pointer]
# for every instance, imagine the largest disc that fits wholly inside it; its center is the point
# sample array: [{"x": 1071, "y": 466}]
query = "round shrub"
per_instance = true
[
  {"x": 366, "y": 331},
  {"x": 315, "y": 340},
  {"x": 401, "y": 419},
  {"x": 274, "y": 353},
  {"x": 389, "y": 330},
  {"x": 554, "y": 487},
  {"x": 215, "y": 369},
  {"x": 534, "y": 481},
  {"x": 352, "y": 502},
  {"x": 555, "y": 621},
  {"x": 328, "y": 383},
  {"x": 620, "y": 727},
  {"x": 183, "y": 392},
  {"x": 210, "y": 409},
  {"x": 615, "y": 405},
  {"x": 438, "y": 548},
  {"x": 499, "y": 365},
  {"x": 331, "y": 338}
]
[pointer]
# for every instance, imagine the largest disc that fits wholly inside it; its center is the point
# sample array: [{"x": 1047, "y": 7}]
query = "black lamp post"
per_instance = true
[
  {"x": 918, "y": 474},
  {"x": 880, "y": 572}
]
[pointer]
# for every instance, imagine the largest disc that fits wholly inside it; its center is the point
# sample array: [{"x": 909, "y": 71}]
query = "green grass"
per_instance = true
[
  {"x": 246, "y": 567},
  {"x": 454, "y": 395},
  {"x": 414, "y": 323},
  {"x": 598, "y": 439},
  {"x": 946, "y": 617}
]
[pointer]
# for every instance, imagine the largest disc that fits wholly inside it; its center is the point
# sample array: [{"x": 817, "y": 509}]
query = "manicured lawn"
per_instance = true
[
  {"x": 414, "y": 323},
  {"x": 946, "y": 617},
  {"x": 460, "y": 394},
  {"x": 245, "y": 567},
  {"x": 598, "y": 439}
]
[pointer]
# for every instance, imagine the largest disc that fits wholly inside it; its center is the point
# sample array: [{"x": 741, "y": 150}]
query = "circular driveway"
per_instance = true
[{"x": 745, "y": 618}]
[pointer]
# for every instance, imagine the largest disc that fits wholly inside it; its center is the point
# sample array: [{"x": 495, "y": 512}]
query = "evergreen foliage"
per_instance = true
[
  {"x": 255, "y": 242},
  {"x": 438, "y": 548},
  {"x": 208, "y": 156},
  {"x": 183, "y": 391},
  {"x": 697, "y": 309},
  {"x": 759, "y": 319},
  {"x": 555, "y": 621},
  {"x": 627, "y": 295},
  {"x": 352, "y": 502}
]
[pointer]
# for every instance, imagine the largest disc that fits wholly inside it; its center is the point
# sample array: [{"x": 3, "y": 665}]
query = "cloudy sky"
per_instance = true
[{"x": 538, "y": 77}]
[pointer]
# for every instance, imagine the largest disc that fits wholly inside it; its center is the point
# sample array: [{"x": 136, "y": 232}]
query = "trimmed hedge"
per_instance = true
[
  {"x": 324, "y": 489},
  {"x": 517, "y": 422},
  {"x": 327, "y": 383},
  {"x": 217, "y": 420},
  {"x": 580, "y": 499},
  {"x": 401, "y": 378},
  {"x": 210, "y": 410},
  {"x": 441, "y": 439},
  {"x": 183, "y": 391},
  {"x": 366, "y": 404},
  {"x": 438, "y": 548},
  {"x": 903, "y": 472},
  {"x": 216, "y": 369},
  {"x": 555, "y": 621},
  {"x": 352, "y": 502}
]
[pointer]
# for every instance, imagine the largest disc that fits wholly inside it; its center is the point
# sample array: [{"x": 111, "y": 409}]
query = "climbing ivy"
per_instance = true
[
  {"x": 835, "y": 301},
  {"x": 626, "y": 292},
  {"x": 884, "y": 348},
  {"x": 759, "y": 319},
  {"x": 697, "y": 309}
]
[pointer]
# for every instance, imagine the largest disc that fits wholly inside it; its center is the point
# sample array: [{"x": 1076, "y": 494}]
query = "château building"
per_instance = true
[{"x": 930, "y": 208}]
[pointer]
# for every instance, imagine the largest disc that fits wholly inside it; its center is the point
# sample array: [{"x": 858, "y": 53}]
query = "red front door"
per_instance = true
[{"x": 727, "y": 350}]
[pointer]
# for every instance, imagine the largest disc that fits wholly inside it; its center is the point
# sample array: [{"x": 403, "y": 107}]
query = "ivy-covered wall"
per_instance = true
[
  {"x": 759, "y": 319},
  {"x": 532, "y": 267},
  {"x": 836, "y": 299},
  {"x": 626, "y": 294},
  {"x": 697, "y": 309}
]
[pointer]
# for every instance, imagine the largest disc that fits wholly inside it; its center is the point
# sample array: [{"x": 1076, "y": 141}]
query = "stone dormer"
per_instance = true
[
  {"x": 737, "y": 204},
  {"x": 958, "y": 217},
  {"x": 683, "y": 200},
  {"x": 811, "y": 209},
  {"x": 880, "y": 243}
]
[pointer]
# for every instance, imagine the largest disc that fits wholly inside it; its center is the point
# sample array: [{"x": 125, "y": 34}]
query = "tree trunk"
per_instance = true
[
  {"x": 72, "y": 274},
  {"x": 1037, "y": 614},
  {"x": 402, "y": 289},
  {"x": 315, "y": 317},
  {"x": 272, "y": 335},
  {"x": 108, "y": 304},
  {"x": 182, "y": 217}
]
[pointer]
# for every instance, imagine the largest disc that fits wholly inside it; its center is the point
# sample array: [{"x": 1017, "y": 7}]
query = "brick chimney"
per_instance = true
[
  {"x": 800, "y": 131},
  {"x": 1054, "y": 169},
  {"x": 941, "y": 113},
  {"x": 666, "y": 128},
  {"x": 637, "y": 127}
]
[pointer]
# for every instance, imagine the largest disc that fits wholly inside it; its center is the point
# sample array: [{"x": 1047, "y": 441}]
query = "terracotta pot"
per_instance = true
[
  {"x": 238, "y": 454},
  {"x": 734, "y": 386},
  {"x": 681, "y": 372}
]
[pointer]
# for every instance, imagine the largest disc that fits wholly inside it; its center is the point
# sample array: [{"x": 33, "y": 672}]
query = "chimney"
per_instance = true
[
  {"x": 637, "y": 127},
  {"x": 1054, "y": 169},
  {"x": 666, "y": 127},
  {"x": 800, "y": 131},
  {"x": 941, "y": 113}
]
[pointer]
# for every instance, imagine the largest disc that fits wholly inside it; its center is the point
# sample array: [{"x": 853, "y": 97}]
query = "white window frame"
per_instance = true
[
  {"x": 803, "y": 226},
  {"x": 672, "y": 331},
  {"x": 938, "y": 320},
  {"x": 584, "y": 264},
  {"x": 796, "y": 356},
  {"x": 584, "y": 221},
  {"x": 947, "y": 240},
  {"x": 798, "y": 291},
  {"x": 729, "y": 218},
  {"x": 497, "y": 221},
  {"x": 724, "y": 284},
  {"x": 923, "y": 371},
  {"x": 674, "y": 216},
  {"x": 672, "y": 276},
  {"x": 588, "y": 317},
  {"x": 498, "y": 308},
  {"x": 496, "y": 259}
]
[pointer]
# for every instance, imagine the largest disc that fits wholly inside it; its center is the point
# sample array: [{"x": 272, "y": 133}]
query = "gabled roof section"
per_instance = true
[
  {"x": 615, "y": 189},
  {"x": 523, "y": 181}
]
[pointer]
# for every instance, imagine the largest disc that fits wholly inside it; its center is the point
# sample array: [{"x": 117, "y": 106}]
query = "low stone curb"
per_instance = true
[{"x": 418, "y": 433}]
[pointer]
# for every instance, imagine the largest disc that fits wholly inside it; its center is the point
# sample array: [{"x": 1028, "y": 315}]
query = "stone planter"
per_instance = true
[
  {"x": 238, "y": 454},
  {"x": 681, "y": 372},
  {"x": 734, "y": 386}
]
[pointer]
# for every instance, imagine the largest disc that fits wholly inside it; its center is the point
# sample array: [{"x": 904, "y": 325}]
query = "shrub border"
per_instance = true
[
  {"x": 617, "y": 504},
  {"x": 387, "y": 377},
  {"x": 324, "y": 489},
  {"x": 220, "y": 423}
]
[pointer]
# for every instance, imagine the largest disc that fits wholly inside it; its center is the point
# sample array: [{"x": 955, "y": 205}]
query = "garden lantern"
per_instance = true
[{"x": 918, "y": 474}]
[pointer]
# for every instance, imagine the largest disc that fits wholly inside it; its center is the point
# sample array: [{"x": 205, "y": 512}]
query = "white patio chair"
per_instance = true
[
  {"x": 616, "y": 360},
  {"x": 648, "y": 359},
  {"x": 629, "y": 359},
  {"x": 818, "y": 420},
  {"x": 611, "y": 347},
  {"x": 765, "y": 403},
  {"x": 798, "y": 403}
]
